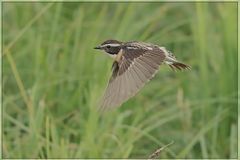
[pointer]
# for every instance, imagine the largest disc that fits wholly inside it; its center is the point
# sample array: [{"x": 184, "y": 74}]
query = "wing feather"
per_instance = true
[
  {"x": 150, "y": 66},
  {"x": 136, "y": 78},
  {"x": 135, "y": 69},
  {"x": 143, "y": 72}
]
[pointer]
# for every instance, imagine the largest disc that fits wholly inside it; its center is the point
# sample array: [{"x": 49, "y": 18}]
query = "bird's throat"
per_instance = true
[{"x": 119, "y": 56}]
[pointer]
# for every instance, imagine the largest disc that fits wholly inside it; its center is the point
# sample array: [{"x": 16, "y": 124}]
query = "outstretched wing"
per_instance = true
[{"x": 136, "y": 67}]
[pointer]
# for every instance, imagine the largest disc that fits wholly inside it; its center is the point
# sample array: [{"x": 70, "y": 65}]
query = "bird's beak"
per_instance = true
[{"x": 98, "y": 47}]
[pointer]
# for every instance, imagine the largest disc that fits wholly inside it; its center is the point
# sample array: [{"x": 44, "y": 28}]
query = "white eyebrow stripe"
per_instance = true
[{"x": 112, "y": 45}]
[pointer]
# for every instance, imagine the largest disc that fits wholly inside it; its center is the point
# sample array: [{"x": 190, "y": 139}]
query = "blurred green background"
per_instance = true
[{"x": 53, "y": 80}]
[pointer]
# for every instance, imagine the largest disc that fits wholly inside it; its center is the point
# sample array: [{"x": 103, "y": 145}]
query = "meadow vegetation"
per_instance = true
[{"x": 53, "y": 80}]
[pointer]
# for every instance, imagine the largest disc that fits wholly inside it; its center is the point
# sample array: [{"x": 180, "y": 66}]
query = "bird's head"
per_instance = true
[{"x": 110, "y": 46}]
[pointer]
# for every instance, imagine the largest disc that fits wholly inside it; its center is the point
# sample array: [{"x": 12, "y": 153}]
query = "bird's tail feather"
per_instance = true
[
  {"x": 179, "y": 66},
  {"x": 174, "y": 63}
]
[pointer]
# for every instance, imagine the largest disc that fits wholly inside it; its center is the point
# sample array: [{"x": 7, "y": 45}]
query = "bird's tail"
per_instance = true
[
  {"x": 175, "y": 64},
  {"x": 179, "y": 65}
]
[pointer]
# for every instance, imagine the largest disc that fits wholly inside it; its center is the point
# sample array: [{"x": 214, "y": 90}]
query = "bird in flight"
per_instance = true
[{"x": 135, "y": 63}]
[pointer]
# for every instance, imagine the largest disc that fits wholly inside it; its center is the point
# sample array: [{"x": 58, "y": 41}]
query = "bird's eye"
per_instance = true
[{"x": 108, "y": 46}]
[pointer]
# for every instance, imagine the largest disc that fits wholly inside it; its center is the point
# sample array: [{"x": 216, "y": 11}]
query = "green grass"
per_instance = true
[{"x": 53, "y": 80}]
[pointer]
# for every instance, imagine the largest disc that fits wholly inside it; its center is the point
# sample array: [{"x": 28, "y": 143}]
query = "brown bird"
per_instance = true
[{"x": 135, "y": 63}]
